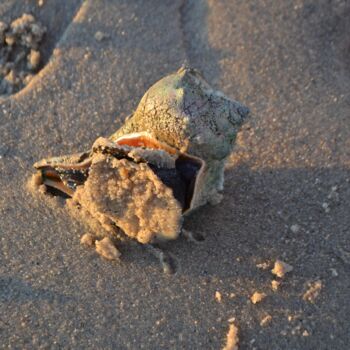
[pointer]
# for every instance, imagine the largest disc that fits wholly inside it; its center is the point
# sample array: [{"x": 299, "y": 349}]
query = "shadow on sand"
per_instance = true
[{"x": 253, "y": 222}]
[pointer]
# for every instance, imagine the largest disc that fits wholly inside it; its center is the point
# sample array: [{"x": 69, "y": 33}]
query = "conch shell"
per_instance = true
[{"x": 165, "y": 161}]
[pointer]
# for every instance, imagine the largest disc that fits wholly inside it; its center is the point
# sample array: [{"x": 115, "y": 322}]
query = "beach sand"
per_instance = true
[{"x": 287, "y": 188}]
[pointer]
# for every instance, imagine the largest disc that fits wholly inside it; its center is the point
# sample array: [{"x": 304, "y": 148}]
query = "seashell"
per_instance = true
[
  {"x": 184, "y": 112},
  {"x": 165, "y": 161}
]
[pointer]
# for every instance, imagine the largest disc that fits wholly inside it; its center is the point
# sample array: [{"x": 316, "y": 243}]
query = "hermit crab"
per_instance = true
[{"x": 165, "y": 161}]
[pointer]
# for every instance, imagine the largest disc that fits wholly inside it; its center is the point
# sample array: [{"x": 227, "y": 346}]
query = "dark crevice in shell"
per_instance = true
[
  {"x": 188, "y": 169},
  {"x": 180, "y": 179}
]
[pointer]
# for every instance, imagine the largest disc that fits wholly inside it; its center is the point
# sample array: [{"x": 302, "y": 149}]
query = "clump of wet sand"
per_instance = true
[
  {"x": 104, "y": 247},
  {"x": 88, "y": 240},
  {"x": 257, "y": 297},
  {"x": 218, "y": 296},
  {"x": 231, "y": 338},
  {"x": 20, "y": 56},
  {"x": 313, "y": 291},
  {"x": 275, "y": 285},
  {"x": 281, "y": 268},
  {"x": 266, "y": 320}
]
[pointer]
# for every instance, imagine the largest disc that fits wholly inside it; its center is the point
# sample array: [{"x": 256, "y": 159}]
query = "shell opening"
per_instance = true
[
  {"x": 62, "y": 181},
  {"x": 62, "y": 175},
  {"x": 180, "y": 179}
]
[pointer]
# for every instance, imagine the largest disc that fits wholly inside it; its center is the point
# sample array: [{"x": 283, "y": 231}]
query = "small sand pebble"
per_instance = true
[
  {"x": 257, "y": 297},
  {"x": 281, "y": 268},
  {"x": 87, "y": 239},
  {"x": 306, "y": 333},
  {"x": 34, "y": 59},
  {"x": 275, "y": 285},
  {"x": 28, "y": 78},
  {"x": 87, "y": 55},
  {"x": 266, "y": 320},
  {"x": 107, "y": 249},
  {"x": 218, "y": 296},
  {"x": 11, "y": 77},
  {"x": 325, "y": 207},
  {"x": 99, "y": 36},
  {"x": 21, "y": 23},
  {"x": 334, "y": 272},
  {"x": 313, "y": 292},
  {"x": 333, "y": 194},
  {"x": 231, "y": 338},
  {"x": 10, "y": 39},
  {"x": 263, "y": 266},
  {"x": 295, "y": 228}
]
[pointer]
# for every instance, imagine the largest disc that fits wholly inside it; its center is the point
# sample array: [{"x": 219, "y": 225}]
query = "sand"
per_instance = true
[{"x": 287, "y": 61}]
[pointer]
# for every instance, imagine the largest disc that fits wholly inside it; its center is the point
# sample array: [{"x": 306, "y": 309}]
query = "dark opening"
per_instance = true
[{"x": 180, "y": 179}]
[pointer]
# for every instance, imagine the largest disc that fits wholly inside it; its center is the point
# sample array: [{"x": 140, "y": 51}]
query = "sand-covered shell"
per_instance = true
[{"x": 166, "y": 160}]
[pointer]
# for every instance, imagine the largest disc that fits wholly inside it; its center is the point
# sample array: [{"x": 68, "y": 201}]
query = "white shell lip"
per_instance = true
[{"x": 145, "y": 139}]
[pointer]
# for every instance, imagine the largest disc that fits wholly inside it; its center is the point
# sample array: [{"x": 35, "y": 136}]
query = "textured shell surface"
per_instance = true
[{"x": 183, "y": 111}]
